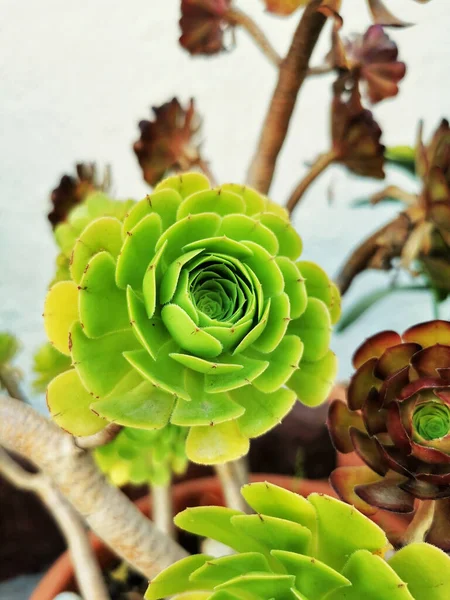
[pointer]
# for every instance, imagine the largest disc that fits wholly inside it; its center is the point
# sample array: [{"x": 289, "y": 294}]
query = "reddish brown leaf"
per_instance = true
[
  {"x": 368, "y": 449},
  {"x": 429, "y": 362},
  {"x": 392, "y": 387},
  {"x": 361, "y": 383},
  {"x": 73, "y": 190},
  {"x": 387, "y": 494},
  {"x": 374, "y": 414},
  {"x": 398, "y": 425},
  {"x": 356, "y": 137},
  {"x": 395, "y": 358},
  {"x": 203, "y": 25},
  {"x": 345, "y": 479},
  {"x": 375, "y": 346},
  {"x": 169, "y": 142},
  {"x": 340, "y": 419},
  {"x": 372, "y": 58},
  {"x": 429, "y": 333}
]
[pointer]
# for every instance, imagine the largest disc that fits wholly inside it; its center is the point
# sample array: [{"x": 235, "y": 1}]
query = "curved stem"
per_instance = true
[
  {"x": 109, "y": 513},
  {"x": 163, "y": 508},
  {"x": 292, "y": 74},
  {"x": 100, "y": 438},
  {"x": 236, "y": 17},
  {"x": 361, "y": 256},
  {"x": 317, "y": 168},
  {"x": 420, "y": 524},
  {"x": 87, "y": 571}
]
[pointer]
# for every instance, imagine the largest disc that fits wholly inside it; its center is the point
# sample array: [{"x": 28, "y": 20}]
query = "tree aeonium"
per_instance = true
[
  {"x": 295, "y": 548},
  {"x": 193, "y": 310},
  {"x": 398, "y": 421}
]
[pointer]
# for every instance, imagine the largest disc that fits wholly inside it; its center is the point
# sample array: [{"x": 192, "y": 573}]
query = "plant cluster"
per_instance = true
[{"x": 186, "y": 324}]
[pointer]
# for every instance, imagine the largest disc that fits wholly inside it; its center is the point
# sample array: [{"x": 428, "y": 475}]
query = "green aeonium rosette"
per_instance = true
[
  {"x": 295, "y": 548},
  {"x": 193, "y": 310},
  {"x": 142, "y": 456}
]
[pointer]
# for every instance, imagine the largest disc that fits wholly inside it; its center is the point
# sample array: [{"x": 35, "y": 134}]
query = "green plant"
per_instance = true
[
  {"x": 398, "y": 421},
  {"x": 193, "y": 310},
  {"x": 301, "y": 549},
  {"x": 140, "y": 456}
]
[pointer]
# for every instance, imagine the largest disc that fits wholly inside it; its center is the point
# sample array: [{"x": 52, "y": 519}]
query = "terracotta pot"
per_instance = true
[{"x": 198, "y": 492}]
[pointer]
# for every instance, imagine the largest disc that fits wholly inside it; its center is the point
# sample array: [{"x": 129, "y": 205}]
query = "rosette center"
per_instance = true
[{"x": 432, "y": 420}]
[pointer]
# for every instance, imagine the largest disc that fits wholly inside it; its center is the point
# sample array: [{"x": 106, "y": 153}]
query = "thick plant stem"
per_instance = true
[
  {"x": 317, "y": 168},
  {"x": 106, "y": 509},
  {"x": 420, "y": 524},
  {"x": 293, "y": 72},
  {"x": 163, "y": 509},
  {"x": 87, "y": 571},
  {"x": 236, "y": 17},
  {"x": 230, "y": 476}
]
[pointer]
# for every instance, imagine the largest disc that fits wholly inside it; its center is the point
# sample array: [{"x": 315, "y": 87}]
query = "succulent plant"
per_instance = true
[
  {"x": 398, "y": 421},
  {"x": 169, "y": 143},
  {"x": 195, "y": 311},
  {"x": 372, "y": 58},
  {"x": 203, "y": 25},
  {"x": 142, "y": 456},
  {"x": 356, "y": 136},
  {"x": 301, "y": 549},
  {"x": 418, "y": 239},
  {"x": 71, "y": 191}
]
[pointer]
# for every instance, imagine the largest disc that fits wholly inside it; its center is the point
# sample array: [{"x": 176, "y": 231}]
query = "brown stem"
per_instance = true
[
  {"x": 236, "y": 17},
  {"x": 230, "y": 476},
  {"x": 9, "y": 380},
  {"x": 420, "y": 524},
  {"x": 87, "y": 571},
  {"x": 361, "y": 256},
  {"x": 163, "y": 508},
  {"x": 100, "y": 438},
  {"x": 106, "y": 509},
  {"x": 292, "y": 74},
  {"x": 317, "y": 168},
  {"x": 320, "y": 70}
]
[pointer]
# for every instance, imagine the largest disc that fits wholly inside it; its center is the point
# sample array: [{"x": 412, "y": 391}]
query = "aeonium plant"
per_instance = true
[
  {"x": 317, "y": 548},
  {"x": 192, "y": 310},
  {"x": 398, "y": 421}
]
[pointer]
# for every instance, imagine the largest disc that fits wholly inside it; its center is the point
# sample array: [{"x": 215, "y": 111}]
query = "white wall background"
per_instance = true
[{"x": 76, "y": 76}]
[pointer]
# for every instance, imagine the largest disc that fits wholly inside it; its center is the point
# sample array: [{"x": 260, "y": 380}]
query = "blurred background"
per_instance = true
[{"x": 78, "y": 76}]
